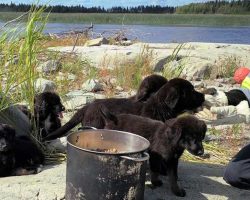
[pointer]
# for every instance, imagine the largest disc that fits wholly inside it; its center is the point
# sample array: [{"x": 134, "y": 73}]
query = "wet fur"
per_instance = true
[
  {"x": 176, "y": 96},
  {"x": 168, "y": 141},
  {"x": 18, "y": 155}
]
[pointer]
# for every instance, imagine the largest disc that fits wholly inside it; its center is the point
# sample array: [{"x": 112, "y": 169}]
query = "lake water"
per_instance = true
[{"x": 163, "y": 34}]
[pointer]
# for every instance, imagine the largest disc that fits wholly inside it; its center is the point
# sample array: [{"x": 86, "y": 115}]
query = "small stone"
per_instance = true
[
  {"x": 119, "y": 88},
  {"x": 71, "y": 77},
  {"x": 49, "y": 66},
  {"x": 44, "y": 85},
  {"x": 96, "y": 42},
  {"x": 92, "y": 85}
]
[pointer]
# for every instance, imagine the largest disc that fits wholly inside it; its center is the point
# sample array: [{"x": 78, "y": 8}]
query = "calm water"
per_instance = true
[{"x": 240, "y": 35}]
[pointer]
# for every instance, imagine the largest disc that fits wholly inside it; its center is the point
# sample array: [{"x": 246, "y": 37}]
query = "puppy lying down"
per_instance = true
[
  {"x": 168, "y": 141},
  {"x": 18, "y": 155}
]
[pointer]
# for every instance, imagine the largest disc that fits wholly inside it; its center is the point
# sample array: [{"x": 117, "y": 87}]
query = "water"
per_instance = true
[{"x": 162, "y": 34}]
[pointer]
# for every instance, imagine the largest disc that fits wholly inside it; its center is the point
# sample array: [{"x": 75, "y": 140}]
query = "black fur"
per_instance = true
[
  {"x": 234, "y": 96},
  {"x": 167, "y": 141},
  {"x": 150, "y": 85},
  {"x": 47, "y": 107},
  {"x": 174, "y": 97},
  {"x": 18, "y": 155}
]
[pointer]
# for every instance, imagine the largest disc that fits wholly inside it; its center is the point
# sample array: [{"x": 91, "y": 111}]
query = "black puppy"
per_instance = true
[
  {"x": 176, "y": 96},
  {"x": 18, "y": 155},
  {"x": 47, "y": 112},
  {"x": 167, "y": 141},
  {"x": 150, "y": 85}
]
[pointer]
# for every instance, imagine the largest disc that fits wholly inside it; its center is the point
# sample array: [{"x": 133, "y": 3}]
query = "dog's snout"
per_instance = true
[
  {"x": 200, "y": 152},
  {"x": 3, "y": 145},
  {"x": 62, "y": 108}
]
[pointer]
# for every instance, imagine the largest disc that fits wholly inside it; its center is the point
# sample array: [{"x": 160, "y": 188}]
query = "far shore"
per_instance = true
[{"x": 217, "y": 20}]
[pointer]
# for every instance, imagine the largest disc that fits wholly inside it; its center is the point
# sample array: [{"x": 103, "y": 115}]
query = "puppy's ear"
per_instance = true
[
  {"x": 141, "y": 96},
  {"x": 10, "y": 131},
  {"x": 108, "y": 116},
  {"x": 176, "y": 131},
  {"x": 172, "y": 97}
]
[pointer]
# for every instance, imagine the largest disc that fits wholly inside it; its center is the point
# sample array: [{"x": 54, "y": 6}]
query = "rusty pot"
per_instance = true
[{"x": 106, "y": 164}]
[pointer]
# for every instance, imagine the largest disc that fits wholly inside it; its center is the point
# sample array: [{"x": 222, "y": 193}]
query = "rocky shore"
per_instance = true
[{"x": 201, "y": 181}]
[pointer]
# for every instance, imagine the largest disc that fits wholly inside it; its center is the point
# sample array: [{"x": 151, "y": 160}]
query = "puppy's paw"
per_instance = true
[
  {"x": 38, "y": 169},
  {"x": 179, "y": 192},
  {"x": 157, "y": 183}
]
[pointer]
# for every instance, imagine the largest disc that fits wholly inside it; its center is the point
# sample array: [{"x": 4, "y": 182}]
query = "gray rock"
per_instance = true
[
  {"x": 17, "y": 119},
  {"x": 44, "y": 85},
  {"x": 96, "y": 42},
  {"x": 197, "y": 58},
  {"x": 92, "y": 85},
  {"x": 77, "y": 99},
  {"x": 50, "y": 66}
]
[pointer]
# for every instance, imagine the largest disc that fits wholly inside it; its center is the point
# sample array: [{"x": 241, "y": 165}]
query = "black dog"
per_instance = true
[
  {"x": 47, "y": 112},
  {"x": 168, "y": 141},
  {"x": 18, "y": 155},
  {"x": 174, "y": 97},
  {"x": 150, "y": 85}
]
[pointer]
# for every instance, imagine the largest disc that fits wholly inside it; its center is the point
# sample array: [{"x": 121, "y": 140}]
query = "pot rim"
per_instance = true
[{"x": 147, "y": 143}]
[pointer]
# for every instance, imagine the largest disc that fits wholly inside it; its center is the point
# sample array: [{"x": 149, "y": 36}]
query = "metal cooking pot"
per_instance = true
[{"x": 106, "y": 164}]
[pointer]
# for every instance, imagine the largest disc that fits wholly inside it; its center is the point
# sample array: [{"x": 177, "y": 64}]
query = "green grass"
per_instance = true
[{"x": 146, "y": 19}]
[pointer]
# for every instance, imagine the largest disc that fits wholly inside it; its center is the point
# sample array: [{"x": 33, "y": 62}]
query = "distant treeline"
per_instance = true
[
  {"x": 211, "y": 7},
  {"x": 216, "y": 7},
  {"x": 81, "y": 9}
]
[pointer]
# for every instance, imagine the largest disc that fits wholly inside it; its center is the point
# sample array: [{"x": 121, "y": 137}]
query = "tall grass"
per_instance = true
[
  {"x": 170, "y": 71},
  {"x": 130, "y": 74},
  {"x": 146, "y": 19},
  {"x": 19, "y": 51}
]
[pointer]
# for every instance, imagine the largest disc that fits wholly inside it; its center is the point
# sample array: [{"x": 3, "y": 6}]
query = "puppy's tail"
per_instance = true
[
  {"x": 76, "y": 119},
  {"x": 108, "y": 116}
]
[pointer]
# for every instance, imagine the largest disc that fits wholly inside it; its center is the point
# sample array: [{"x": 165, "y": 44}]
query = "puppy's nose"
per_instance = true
[
  {"x": 3, "y": 147},
  {"x": 63, "y": 108},
  {"x": 200, "y": 152}
]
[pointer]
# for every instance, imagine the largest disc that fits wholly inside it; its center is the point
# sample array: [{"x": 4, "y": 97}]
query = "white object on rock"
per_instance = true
[
  {"x": 206, "y": 115},
  {"x": 218, "y": 99},
  {"x": 233, "y": 114},
  {"x": 44, "y": 85}
]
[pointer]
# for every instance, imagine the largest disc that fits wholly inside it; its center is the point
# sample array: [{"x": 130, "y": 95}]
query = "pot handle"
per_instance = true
[
  {"x": 86, "y": 127},
  {"x": 146, "y": 157}
]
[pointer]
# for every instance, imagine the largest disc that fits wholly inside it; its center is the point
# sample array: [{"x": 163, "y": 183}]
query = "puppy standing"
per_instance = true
[
  {"x": 18, "y": 155},
  {"x": 168, "y": 141},
  {"x": 171, "y": 99}
]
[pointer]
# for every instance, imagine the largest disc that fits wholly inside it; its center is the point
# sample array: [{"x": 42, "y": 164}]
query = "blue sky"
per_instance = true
[{"x": 108, "y": 3}]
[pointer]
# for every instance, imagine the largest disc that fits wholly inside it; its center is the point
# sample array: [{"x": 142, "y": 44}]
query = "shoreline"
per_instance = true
[{"x": 143, "y": 19}]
